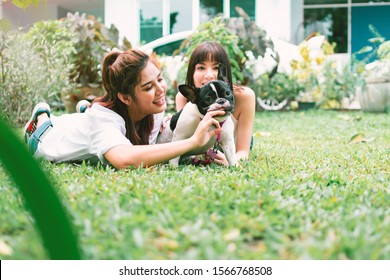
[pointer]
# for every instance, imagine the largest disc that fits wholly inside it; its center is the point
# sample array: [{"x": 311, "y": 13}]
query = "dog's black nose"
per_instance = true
[{"x": 221, "y": 101}]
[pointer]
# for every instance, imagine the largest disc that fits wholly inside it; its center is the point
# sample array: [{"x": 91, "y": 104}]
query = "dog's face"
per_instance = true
[{"x": 215, "y": 95}]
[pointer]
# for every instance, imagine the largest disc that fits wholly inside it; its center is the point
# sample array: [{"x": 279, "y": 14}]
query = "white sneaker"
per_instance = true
[
  {"x": 82, "y": 106},
  {"x": 31, "y": 125}
]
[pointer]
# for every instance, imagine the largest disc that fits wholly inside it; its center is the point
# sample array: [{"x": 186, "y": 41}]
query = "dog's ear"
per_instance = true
[
  {"x": 189, "y": 92},
  {"x": 222, "y": 76}
]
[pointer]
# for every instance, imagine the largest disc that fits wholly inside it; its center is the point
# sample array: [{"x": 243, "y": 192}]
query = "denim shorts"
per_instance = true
[{"x": 38, "y": 135}]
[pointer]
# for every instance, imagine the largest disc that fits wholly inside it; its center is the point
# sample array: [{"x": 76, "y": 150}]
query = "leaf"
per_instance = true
[
  {"x": 349, "y": 118},
  {"x": 360, "y": 138},
  {"x": 166, "y": 244},
  {"x": 365, "y": 49},
  {"x": 138, "y": 238},
  {"x": 344, "y": 117},
  {"x": 357, "y": 138},
  {"x": 384, "y": 50},
  {"x": 262, "y": 134},
  {"x": 232, "y": 235},
  {"x": 5, "y": 249},
  {"x": 5, "y": 25},
  {"x": 376, "y": 40},
  {"x": 25, "y": 3}
]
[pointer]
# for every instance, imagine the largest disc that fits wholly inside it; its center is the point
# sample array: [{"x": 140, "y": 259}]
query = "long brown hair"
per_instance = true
[
  {"x": 120, "y": 74},
  {"x": 208, "y": 51}
]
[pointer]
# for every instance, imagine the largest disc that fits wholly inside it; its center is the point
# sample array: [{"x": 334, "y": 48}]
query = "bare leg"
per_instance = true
[{"x": 41, "y": 119}]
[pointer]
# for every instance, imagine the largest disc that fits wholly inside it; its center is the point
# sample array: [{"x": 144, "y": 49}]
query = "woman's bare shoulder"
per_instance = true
[{"x": 243, "y": 92}]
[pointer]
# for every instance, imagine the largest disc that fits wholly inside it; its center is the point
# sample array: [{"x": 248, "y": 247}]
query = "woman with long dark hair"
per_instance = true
[
  {"x": 120, "y": 126},
  {"x": 203, "y": 68}
]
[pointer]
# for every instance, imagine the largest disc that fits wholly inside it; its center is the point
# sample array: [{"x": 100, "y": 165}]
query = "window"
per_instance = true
[
  {"x": 180, "y": 16},
  {"x": 331, "y": 22},
  {"x": 368, "y": 1},
  {"x": 360, "y": 22},
  {"x": 210, "y": 9},
  {"x": 150, "y": 20},
  {"x": 322, "y": 2},
  {"x": 248, "y": 6}
]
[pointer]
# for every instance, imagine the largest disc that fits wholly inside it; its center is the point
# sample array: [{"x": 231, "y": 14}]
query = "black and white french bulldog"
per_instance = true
[{"x": 215, "y": 95}]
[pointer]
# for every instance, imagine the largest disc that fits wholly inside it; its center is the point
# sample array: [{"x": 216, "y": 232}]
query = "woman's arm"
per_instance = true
[
  {"x": 123, "y": 156},
  {"x": 244, "y": 113},
  {"x": 181, "y": 101}
]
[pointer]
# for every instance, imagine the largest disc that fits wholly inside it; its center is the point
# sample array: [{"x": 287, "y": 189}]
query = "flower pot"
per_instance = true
[
  {"x": 302, "y": 105},
  {"x": 271, "y": 105},
  {"x": 374, "y": 96},
  {"x": 89, "y": 93}
]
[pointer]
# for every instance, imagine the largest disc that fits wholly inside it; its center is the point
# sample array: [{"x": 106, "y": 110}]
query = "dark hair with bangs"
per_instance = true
[{"x": 208, "y": 51}]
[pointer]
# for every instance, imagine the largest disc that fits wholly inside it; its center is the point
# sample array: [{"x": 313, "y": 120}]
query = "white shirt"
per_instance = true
[{"x": 88, "y": 136}]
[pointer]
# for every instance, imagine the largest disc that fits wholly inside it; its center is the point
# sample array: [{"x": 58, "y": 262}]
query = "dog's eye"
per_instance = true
[
  {"x": 228, "y": 93},
  {"x": 209, "y": 99}
]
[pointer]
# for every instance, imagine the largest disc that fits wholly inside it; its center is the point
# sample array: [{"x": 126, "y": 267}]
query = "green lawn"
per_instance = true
[{"x": 305, "y": 193}]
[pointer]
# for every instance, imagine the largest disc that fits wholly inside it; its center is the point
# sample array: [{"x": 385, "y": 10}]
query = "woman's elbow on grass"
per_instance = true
[{"x": 123, "y": 156}]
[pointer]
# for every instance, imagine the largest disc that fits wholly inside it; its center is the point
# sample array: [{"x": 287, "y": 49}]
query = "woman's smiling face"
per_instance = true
[
  {"x": 205, "y": 72},
  {"x": 150, "y": 91}
]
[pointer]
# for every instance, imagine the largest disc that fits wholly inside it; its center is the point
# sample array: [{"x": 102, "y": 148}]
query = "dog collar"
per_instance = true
[
  {"x": 219, "y": 135},
  {"x": 211, "y": 153}
]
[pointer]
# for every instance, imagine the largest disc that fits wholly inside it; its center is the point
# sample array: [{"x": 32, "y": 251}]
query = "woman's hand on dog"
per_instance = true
[
  {"x": 166, "y": 119},
  {"x": 202, "y": 135}
]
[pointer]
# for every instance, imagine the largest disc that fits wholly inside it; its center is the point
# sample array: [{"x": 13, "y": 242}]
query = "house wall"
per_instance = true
[
  {"x": 280, "y": 18},
  {"x": 124, "y": 15},
  {"x": 18, "y": 17},
  {"x": 283, "y": 19},
  {"x": 26, "y": 17}
]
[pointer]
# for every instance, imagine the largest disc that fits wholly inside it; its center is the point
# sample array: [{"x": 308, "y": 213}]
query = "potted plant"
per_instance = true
[
  {"x": 338, "y": 87},
  {"x": 374, "y": 94},
  {"x": 91, "y": 42},
  {"x": 308, "y": 69},
  {"x": 258, "y": 47},
  {"x": 275, "y": 91}
]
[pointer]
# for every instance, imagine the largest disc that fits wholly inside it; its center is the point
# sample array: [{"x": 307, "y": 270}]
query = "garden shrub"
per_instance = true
[
  {"x": 278, "y": 87},
  {"x": 34, "y": 67},
  {"x": 336, "y": 85},
  {"x": 217, "y": 31},
  {"x": 242, "y": 39},
  {"x": 22, "y": 78},
  {"x": 52, "y": 40}
]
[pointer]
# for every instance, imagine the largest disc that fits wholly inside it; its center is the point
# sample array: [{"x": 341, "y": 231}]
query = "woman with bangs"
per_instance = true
[
  {"x": 120, "y": 127},
  {"x": 203, "y": 68}
]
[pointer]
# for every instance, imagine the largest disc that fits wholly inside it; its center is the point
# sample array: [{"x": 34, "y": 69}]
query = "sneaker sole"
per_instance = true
[{"x": 39, "y": 108}]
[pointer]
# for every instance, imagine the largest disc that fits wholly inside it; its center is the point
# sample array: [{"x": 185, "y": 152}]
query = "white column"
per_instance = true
[
  {"x": 296, "y": 27},
  {"x": 165, "y": 17},
  {"x": 124, "y": 14},
  {"x": 258, "y": 13},
  {"x": 226, "y": 8},
  {"x": 195, "y": 13}
]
